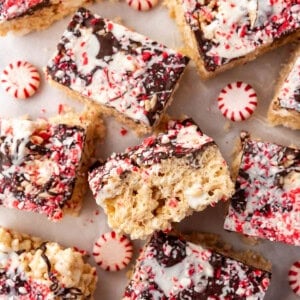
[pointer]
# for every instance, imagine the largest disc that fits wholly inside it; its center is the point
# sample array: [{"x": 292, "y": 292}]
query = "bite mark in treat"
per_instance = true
[
  {"x": 142, "y": 5},
  {"x": 20, "y": 79},
  {"x": 160, "y": 181},
  {"x": 171, "y": 267},
  {"x": 294, "y": 277},
  {"x": 112, "y": 252},
  {"x": 266, "y": 201},
  {"x": 237, "y": 101},
  {"x": 127, "y": 74}
]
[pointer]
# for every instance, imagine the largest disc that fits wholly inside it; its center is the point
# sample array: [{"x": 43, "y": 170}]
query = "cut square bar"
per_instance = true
[
  {"x": 125, "y": 73},
  {"x": 43, "y": 163},
  {"x": 266, "y": 203},
  {"x": 221, "y": 34},
  {"x": 171, "y": 267}
]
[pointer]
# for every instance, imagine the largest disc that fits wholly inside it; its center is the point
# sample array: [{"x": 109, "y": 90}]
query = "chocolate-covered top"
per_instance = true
[
  {"x": 189, "y": 271},
  {"x": 267, "y": 188},
  {"x": 38, "y": 165},
  {"x": 13, "y": 9},
  {"x": 116, "y": 67},
  {"x": 228, "y": 30}
]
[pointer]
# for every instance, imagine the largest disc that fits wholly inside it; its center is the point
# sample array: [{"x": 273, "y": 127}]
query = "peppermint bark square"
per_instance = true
[
  {"x": 29, "y": 15},
  {"x": 34, "y": 269},
  {"x": 266, "y": 202},
  {"x": 171, "y": 267},
  {"x": 43, "y": 163},
  {"x": 127, "y": 74},
  {"x": 221, "y": 34},
  {"x": 162, "y": 180},
  {"x": 285, "y": 106}
]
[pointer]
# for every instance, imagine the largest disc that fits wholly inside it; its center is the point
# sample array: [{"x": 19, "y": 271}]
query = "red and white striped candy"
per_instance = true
[
  {"x": 294, "y": 277},
  {"x": 237, "y": 101},
  {"x": 112, "y": 252},
  {"x": 142, "y": 5},
  {"x": 20, "y": 79}
]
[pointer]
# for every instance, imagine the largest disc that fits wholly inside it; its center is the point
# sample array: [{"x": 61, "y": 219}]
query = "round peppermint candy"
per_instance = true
[
  {"x": 112, "y": 252},
  {"x": 237, "y": 101},
  {"x": 20, "y": 79},
  {"x": 142, "y": 5},
  {"x": 294, "y": 277}
]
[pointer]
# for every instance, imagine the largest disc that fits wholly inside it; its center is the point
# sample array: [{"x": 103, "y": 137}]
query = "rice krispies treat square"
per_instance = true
[
  {"x": 162, "y": 180},
  {"x": 171, "y": 267},
  {"x": 44, "y": 163},
  {"x": 285, "y": 106},
  {"x": 23, "y": 16},
  {"x": 33, "y": 269},
  {"x": 127, "y": 74},
  {"x": 221, "y": 34},
  {"x": 266, "y": 203}
]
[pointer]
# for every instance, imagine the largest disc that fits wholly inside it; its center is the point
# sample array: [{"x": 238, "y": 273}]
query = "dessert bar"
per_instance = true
[
  {"x": 127, "y": 74},
  {"x": 171, "y": 267},
  {"x": 285, "y": 107},
  {"x": 33, "y": 269},
  {"x": 162, "y": 180},
  {"x": 222, "y": 34},
  {"x": 29, "y": 15},
  {"x": 266, "y": 201},
  {"x": 43, "y": 163}
]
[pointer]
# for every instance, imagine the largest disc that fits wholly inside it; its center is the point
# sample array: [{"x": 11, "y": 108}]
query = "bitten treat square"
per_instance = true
[
  {"x": 221, "y": 34},
  {"x": 266, "y": 202},
  {"x": 29, "y": 15},
  {"x": 43, "y": 163},
  {"x": 34, "y": 269},
  {"x": 285, "y": 106},
  {"x": 127, "y": 74},
  {"x": 171, "y": 267},
  {"x": 162, "y": 180}
]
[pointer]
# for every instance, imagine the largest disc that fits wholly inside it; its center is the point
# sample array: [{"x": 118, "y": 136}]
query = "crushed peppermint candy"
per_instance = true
[
  {"x": 266, "y": 201},
  {"x": 183, "y": 139},
  {"x": 13, "y": 9},
  {"x": 113, "y": 66},
  {"x": 173, "y": 268},
  {"x": 39, "y": 163},
  {"x": 32, "y": 269},
  {"x": 230, "y": 29}
]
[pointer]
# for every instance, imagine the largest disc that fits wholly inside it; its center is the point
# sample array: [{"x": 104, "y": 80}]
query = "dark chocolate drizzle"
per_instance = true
[
  {"x": 204, "y": 45},
  {"x": 13, "y": 182},
  {"x": 288, "y": 161},
  {"x": 210, "y": 287},
  {"x": 29, "y": 11},
  {"x": 159, "y": 79}
]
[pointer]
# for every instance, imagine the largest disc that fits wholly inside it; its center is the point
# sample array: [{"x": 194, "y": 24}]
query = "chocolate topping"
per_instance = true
[{"x": 128, "y": 72}]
